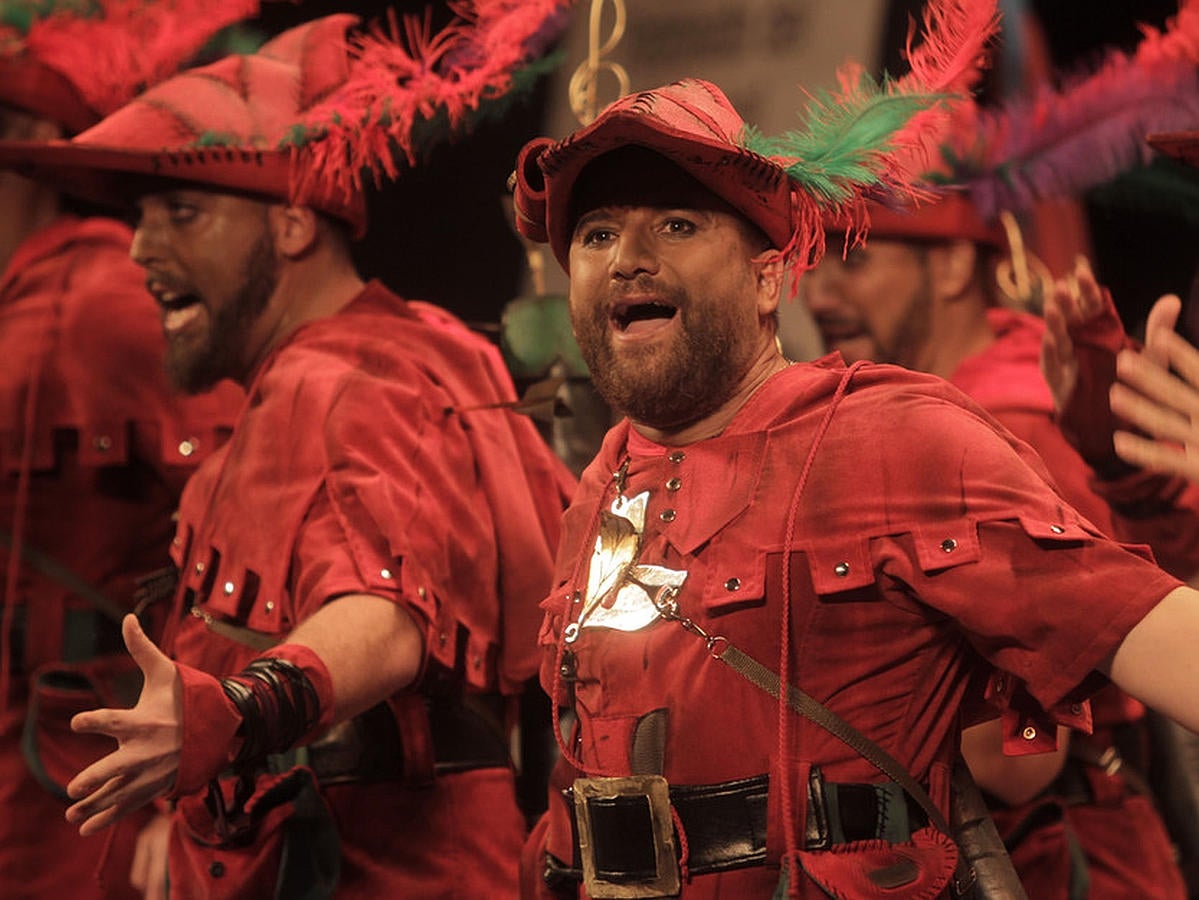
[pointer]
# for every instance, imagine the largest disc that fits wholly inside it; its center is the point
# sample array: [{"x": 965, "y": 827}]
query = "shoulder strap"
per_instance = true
[
  {"x": 810, "y": 708},
  {"x": 58, "y": 572}
]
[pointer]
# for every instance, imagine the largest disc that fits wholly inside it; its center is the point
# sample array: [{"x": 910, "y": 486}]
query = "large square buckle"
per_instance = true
[{"x": 626, "y": 837}]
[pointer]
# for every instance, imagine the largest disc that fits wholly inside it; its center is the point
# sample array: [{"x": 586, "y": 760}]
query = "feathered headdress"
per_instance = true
[
  {"x": 1060, "y": 141},
  {"x": 76, "y": 61},
  {"x": 861, "y": 143},
  {"x": 310, "y": 115}
]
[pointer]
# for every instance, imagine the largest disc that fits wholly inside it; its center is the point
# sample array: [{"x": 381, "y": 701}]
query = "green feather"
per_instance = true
[{"x": 836, "y": 153}]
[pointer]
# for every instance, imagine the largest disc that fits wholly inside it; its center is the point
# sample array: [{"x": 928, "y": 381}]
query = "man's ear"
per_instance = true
[
  {"x": 295, "y": 229},
  {"x": 951, "y": 268},
  {"x": 769, "y": 276}
]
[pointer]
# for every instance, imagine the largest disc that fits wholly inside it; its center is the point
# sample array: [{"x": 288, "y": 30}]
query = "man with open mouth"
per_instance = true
[
  {"x": 359, "y": 566},
  {"x": 864, "y": 535}
]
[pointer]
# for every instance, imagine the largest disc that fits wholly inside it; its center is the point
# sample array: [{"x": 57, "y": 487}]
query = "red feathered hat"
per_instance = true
[
  {"x": 75, "y": 63},
  {"x": 948, "y": 217},
  {"x": 692, "y": 124},
  {"x": 857, "y": 144},
  {"x": 304, "y": 118},
  {"x": 1182, "y": 145}
]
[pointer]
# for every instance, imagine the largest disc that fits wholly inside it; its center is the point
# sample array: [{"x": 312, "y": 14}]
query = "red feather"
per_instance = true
[
  {"x": 404, "y": 74},
  {"x": 1061, "y": 141},
  {"x": 128, "y": 45}
]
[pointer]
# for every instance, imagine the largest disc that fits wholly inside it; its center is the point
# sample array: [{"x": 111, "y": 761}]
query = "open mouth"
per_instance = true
[
  {"x": 179, "y": 308},
  {"x": 835, "y": 331},
  {"x": 631, "y": 316}
]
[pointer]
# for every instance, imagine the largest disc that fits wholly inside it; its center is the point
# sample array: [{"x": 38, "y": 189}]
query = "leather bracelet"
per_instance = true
[{"x": 278, "y": 704}]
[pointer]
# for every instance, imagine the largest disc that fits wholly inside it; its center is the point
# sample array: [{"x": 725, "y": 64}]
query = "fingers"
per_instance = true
[
  {"x": 148, "y": 872},
  {"x": 148, "y": 657},
  {"x": 1090, "y": 294},
  {"x": 116, "y": 798},
  {"x": 1160, "y": 324},
  {"x": 1160, "y": 420},
  {"x": 1156, "y": 390},
  {"x": 1154, "y": 456}
]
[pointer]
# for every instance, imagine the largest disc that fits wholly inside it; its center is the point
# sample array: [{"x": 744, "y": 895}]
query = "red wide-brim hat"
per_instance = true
[
  {"x": 113, "y": 176},
  {"x": 1181, "y": 145},
  {"x": 950, "y": 217}
]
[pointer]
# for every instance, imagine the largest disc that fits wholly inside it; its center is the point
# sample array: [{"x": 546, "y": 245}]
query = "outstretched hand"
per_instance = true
[
  {"x": 146, "y": 761},
  {"x": 1158, "y": 392}
]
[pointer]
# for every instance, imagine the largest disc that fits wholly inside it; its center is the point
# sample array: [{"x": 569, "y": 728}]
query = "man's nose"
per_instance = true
[
  {"x": 144, "y": 249},
  {"x": 635, "y": 254}
]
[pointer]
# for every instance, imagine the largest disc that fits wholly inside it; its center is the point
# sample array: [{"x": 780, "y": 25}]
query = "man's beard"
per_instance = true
[
  {"x": 673, "y": 386},
  {"x": 912, "y": 332},
  {"x": 193, "y": 369}
]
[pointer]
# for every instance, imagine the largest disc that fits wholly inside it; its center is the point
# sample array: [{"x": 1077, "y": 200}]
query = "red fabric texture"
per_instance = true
[
  {"x": 210, "y": 722},
  {"x": 370, "y": 459},
  {"x": 1005, "y": 379},
  {"x": 918, "y": 566},
  {"x": 110, "y": 448}
]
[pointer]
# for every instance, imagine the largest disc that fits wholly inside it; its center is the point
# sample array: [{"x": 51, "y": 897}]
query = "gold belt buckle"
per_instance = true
[{"x": 592, "y": 793}]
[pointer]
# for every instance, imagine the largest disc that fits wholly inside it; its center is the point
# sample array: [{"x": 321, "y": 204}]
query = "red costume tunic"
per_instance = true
[
  {"x": 370, "y": 458},
  {"x": 925, "y": 549},
  {"x": 89, "y": 428},
  {"x": 1125, "y": 844}
]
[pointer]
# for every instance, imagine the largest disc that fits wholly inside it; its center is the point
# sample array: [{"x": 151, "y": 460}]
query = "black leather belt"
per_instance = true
[
  {"x": 370, "y": 747},
  {"x": 725, "y": 824}
]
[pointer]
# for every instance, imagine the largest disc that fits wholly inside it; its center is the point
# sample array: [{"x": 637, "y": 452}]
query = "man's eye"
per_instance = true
[
  {"x": 595, "y": 236},
  {"x": 679, "y": 226},
  {"x": 181, "y": 212}
]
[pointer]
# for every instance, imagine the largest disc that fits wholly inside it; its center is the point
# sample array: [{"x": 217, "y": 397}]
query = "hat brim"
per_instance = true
[
  {"x": 113, "y": 176},
  {"x": 952, "y": 217},
  {"x": 1181, "y": 145}
]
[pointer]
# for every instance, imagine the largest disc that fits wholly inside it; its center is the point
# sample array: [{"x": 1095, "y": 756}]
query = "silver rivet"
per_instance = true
[
  {"x": 199, "y": 568},
  {"x": 188, "y": 447},
  {"x": 1057, "y": 529},
  {"x": 677, "y": 457},
  {"x": 103, "y": 443},
  {"x": 733, "y": 584},
  {"x": 1029, "y": 733},
  {"x": 674, "y": 484},
  {"x": 420, "y": 592},
  {"x": 1000, "y": 684},
  {"x": 1076, "y": 709},
  {"x": 385, "y": 573},
  {"x": 229, "y": 587},
  {"x": 667, "y": 515},
  {"x": 175, "y": 542},
  {"x": 477, "y": 662},
  {"x": 841, "y": 569},
  {"x": 949, "y": 545},
  {"x": 441, "y": 638},
  {"x": 270, "y": 606}
]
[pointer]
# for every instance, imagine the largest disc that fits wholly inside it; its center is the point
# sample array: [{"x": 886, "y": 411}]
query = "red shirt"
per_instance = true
[
  {"x": 90, "y": 426},
  {"x": 926, "y": 548},
  {"x": 371, "y": 458}
]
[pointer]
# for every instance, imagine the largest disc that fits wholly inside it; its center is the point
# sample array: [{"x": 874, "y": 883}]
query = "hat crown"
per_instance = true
[
  {"x": 243, "y": 102},
  {"x": 75, "y": 61}
]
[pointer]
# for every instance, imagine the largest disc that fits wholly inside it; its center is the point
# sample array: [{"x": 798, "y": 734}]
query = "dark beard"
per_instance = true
[
  {"x": 220, "y": 356},
  {"x": 671, "y": 388}
]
